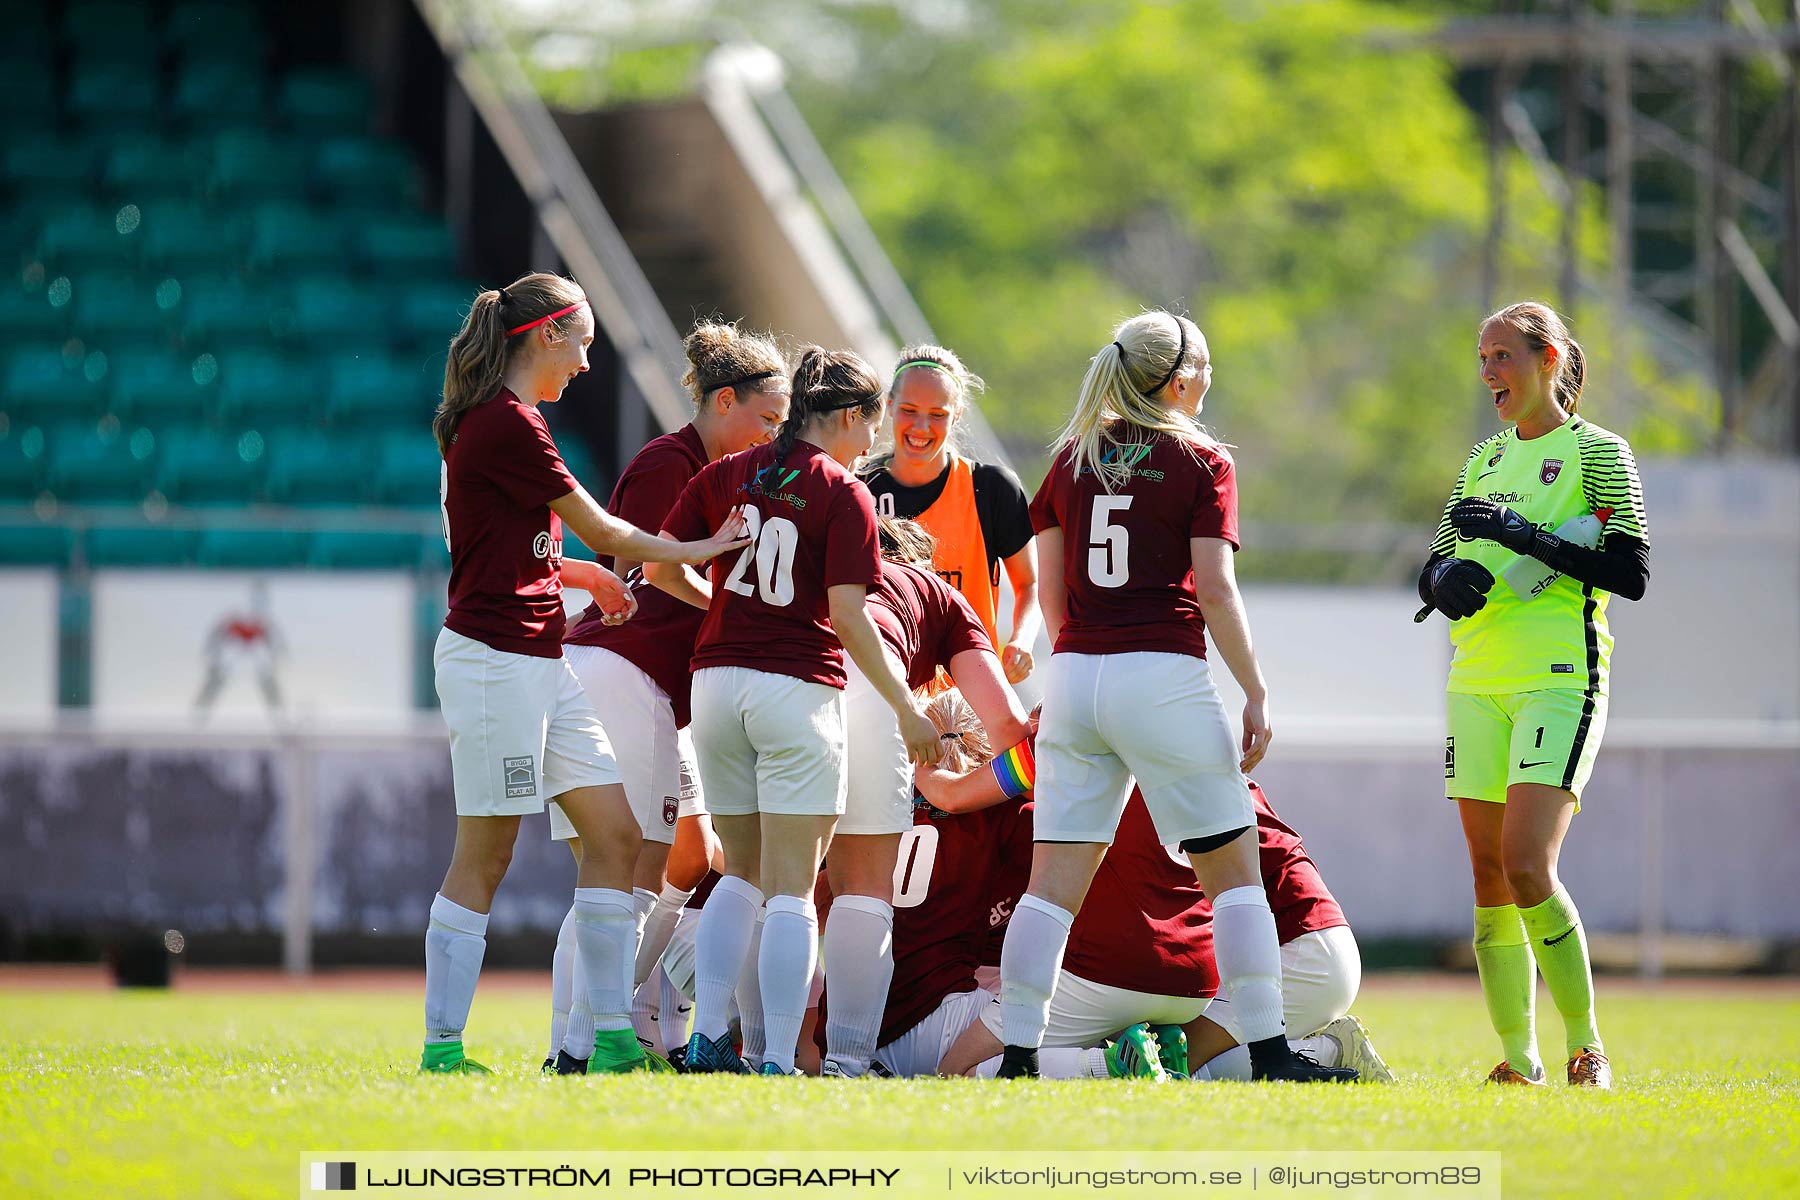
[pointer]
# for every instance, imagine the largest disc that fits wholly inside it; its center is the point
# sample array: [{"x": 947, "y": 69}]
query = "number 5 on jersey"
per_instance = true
[
  {"x": 1109, "y": 545},
  {"x": 771, "y": 549}
]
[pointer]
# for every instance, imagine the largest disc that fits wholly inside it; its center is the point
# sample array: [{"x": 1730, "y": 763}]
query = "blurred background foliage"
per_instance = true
[{"x": 1301, "y": 176}]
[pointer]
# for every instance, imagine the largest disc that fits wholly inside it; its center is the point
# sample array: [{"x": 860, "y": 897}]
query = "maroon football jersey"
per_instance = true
[
  {"x": 946, "y": 903},
  {"x": 1128, "y": 568},
  {"x": 659, "y": 640},
  {"x": 1297, "y": 892},
  {"x": 813, "y": 525},
  {"x": 499, "y": 477},
  {"x": 923, "y": 620},
  {"x": 1145, "y": 925}
]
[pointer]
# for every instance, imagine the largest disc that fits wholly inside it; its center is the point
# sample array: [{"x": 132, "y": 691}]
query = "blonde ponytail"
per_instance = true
[{"x": 1120, "y": 395}]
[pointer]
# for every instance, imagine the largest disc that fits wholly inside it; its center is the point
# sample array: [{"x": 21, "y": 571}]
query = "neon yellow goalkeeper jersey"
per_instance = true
[{"x": 1560, "y": 639}]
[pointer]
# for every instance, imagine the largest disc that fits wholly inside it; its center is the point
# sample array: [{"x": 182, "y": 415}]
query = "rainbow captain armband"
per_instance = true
[{"x": 1016, "y": 770}]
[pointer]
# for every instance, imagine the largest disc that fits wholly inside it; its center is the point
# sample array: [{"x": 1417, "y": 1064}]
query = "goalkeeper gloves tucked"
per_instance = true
[{"x": 1458, "y": 587}]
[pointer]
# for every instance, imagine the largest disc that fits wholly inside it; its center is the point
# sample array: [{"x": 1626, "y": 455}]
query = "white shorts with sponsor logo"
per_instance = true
[
  {"x": 656, "y": 762},
  {"x": 521, "y": 729},
  {"x": 1085, "y": 1013},
  {"x": 1320, "y": 974},
  {"x": 1157, "y": 717},
  {"x": 878, "y": 790},
  {"x": 920, "y": 1049},
  {"x": 768, "y": 743}
]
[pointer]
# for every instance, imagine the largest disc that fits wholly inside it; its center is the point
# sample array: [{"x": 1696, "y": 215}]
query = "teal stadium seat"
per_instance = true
[
  {"x": 89, "y": 467},
  {"x": 217, "y": 29},
  {"x": 251, "y": 164},
  {"x": 224, "y": 309},
  {"x": 407, "y": 470},
  {"x": 27, "y": 95},
  {"x": 371, "y": 549},
  {"x": 44, "y": 160},
  {"x": 140, "y": 546},
  {"x": 336, "y": 313},
  {"x": 35, "y": 545},
  {"x": 114, "y": 95},
  {"x": 311, "y": 468},
  {"x": 217, "y": 93},
  {"x": 110, "y": 306},
  {"x": 208, "y": 467},
  {"x": 161, "y": 391},
  {"x": 28, "y": 315},
  {"x": 22, "y": 461},
  {"x": 150, "y": 170},
  {"x": 182, "y": 237},
  {"x": 266, "y": 390},
  {"x": 323, "y": 100},
  {"x": 285, "y": 237},
  {"x": 377, "y": 392},
  {"x": 90, "y": 236},
  {"x": 88, "y": 23},
  {"x": 41, "y": 385},
  {"x": 406, "y": 245},
  {"x": 433, "y": 312},
  {"x": 366, "y": 170},
  {"x": 252, "y": 548}
]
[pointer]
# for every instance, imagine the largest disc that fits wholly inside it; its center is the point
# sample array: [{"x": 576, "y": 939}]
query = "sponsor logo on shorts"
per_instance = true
[
  {"x": 669, "y": 810},
  {"x": 1449, "y": 758},
  {"x": 1000, "y": 913},
  {"x": 521, "y": 776},
  {"x": 1552, "y": 468},
  {"x": 1562, "y": 668},
  {"x": 1526, "y": 766}
]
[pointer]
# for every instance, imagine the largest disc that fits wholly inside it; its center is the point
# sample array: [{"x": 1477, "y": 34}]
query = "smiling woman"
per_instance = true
[
  {"x": 978, "y": 512},
  {"x": 521, "y": 730}
]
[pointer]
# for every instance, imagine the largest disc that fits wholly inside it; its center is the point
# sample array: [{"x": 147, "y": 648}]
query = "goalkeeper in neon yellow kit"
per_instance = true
[{"x": 1528, "y": 679}]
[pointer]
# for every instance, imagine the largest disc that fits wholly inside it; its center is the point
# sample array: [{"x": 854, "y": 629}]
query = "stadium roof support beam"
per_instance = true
[{"x": 1669, "y": 92}]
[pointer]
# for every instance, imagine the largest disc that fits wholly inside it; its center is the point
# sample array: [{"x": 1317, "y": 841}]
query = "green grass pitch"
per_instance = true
[{"x": 214, "y": 1091}]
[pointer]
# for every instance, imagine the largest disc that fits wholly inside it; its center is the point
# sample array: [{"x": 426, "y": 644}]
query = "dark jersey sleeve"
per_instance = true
[{"x": 1003, "y": 509}]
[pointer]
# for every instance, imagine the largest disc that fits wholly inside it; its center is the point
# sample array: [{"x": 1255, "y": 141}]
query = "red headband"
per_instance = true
[{"x": 561, "y": 312}]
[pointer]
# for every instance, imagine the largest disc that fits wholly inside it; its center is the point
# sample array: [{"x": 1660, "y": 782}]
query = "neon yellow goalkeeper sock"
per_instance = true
[
  {"x": 1560, "y": 944},
  {"x": 1509, "y": 984}
]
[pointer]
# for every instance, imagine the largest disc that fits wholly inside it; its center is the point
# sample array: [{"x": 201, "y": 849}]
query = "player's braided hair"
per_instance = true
[
  {"x": 1121, "y": 395},
  {"x": 1541, "y": 326},
  {"x": 481, "y": 349},
  {"x": 825, "y": 382}
]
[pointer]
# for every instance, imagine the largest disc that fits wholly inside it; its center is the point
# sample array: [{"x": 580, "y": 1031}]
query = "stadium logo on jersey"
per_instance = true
[
  {"x": 669, "y": 811},
  {"x": 521, "y": 776},
  {"x": 1552, "y": 468},
  {"x": 1512, "y": 497}
]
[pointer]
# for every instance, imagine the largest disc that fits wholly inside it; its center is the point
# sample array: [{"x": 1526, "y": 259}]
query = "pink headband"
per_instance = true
[{"x": 561, "y": 312}]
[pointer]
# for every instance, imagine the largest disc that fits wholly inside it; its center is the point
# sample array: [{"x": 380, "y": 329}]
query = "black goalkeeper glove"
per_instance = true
[
  {"x": 1478, "y": 517},
  {"x": 1459, "y": 587}
]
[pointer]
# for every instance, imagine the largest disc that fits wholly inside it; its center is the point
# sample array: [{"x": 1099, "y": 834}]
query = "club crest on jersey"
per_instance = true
[
  {"x": 1494, "y": 459},
  {"x": 1552, "y": 468}
]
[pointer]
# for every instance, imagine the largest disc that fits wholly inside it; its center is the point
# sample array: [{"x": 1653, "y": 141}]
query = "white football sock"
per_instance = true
[
  {"x": 659, "y": 927},
  {"x": 1248, "y": 953},
  {"x": 726, "y": 925},
  {"x": 1030, "y": 960},
  {"x": 785, "y": 965},
  {"x": 674, "y": 1009},
  {"x": 562, "y": 975},
  {"x": 605, "y": 929},
  {"x": 859, "y": 961},
  {"x": 455, "y": 943},
  {"x": 1233, "y": 1064},
  {"x": 747, "y": 1000},
  {"x": 578, "y": 1038},
  {"x": 644, "y": 1017}
]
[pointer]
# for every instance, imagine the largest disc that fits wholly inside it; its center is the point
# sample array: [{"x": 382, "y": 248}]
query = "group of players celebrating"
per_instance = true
[{"x": 803, "y": 796}]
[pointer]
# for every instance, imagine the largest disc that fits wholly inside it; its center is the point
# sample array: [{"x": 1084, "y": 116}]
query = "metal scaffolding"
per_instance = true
[{"x": 1676, "y": 121}]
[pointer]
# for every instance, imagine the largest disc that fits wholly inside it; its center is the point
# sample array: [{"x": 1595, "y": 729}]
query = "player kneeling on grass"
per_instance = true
[
  {"x": 521, "y": 730},
  {"x": 1138, "y": 971}
]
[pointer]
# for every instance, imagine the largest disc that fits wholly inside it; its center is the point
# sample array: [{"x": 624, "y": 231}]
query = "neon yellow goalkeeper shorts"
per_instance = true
[{"x": 1495, "y": 741}]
